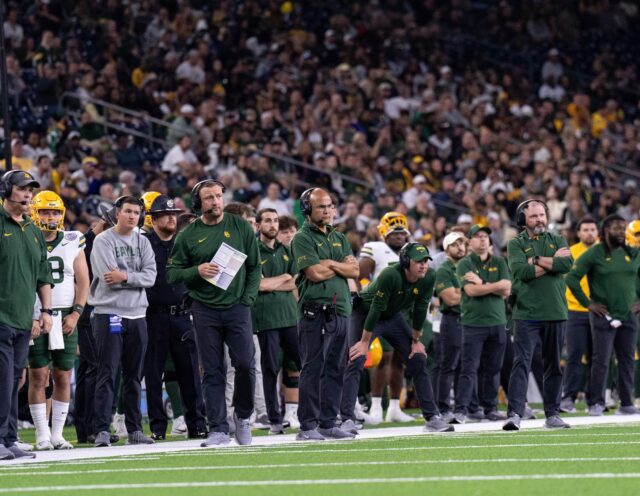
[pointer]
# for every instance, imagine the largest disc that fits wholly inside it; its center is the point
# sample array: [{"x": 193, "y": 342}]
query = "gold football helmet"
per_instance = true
[
  {"x": 633, "y": 233},
  {"x": 393, "y": 221},
  {"x": 48, "y": 200},
  {"x": 148, "y": 199}
]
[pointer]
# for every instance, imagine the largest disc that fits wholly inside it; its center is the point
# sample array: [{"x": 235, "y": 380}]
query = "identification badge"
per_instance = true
[{"x": 115, "y": 324}]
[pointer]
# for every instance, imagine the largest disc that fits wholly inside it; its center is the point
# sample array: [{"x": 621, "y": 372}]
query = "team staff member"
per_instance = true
[
  {"x": 448, "y": 290},
  {"x": 578, "y": 329},
  {"x": 65, "y": 254},
  {"x": 123, "y": 266},
  {"x": 324, "y": 263},
  {"x": 485, "y": 282},
  {"x": 220, "y": 317},
  {"x": 405, "y": 286},
  {"x": 375, "y": 256},
  {"x": 538, "y": 260},
  {"x": 274, "y": 313},
  {"x": 169, "y": 329},
  {"x": 25, "y": 271},
  {"x": 611, "y": 268}
]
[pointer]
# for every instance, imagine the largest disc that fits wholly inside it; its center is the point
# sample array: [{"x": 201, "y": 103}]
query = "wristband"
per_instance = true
[
  {"x": 77, "y": 308},
  {"x": 46, "y": 310}
]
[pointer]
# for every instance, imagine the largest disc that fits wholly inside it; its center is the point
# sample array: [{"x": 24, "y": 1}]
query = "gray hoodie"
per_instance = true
[{"x": 131, "y": 254}]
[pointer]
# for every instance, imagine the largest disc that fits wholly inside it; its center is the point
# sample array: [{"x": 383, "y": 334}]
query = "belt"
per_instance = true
[{"x": 167, "y": 309}]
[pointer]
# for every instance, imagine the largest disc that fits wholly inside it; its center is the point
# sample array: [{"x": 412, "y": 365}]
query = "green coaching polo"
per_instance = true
[
  {"x": 274, "y": 309},
  {"x": 446, "y": 278},
  {"x": 24, "y": 269},
  {"x": 309, "y": 246}
]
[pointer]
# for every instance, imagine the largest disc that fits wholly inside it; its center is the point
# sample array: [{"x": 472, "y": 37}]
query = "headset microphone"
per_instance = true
[
  {"x": 24, "y": 203},
  {"x": 208, "y": 212}
]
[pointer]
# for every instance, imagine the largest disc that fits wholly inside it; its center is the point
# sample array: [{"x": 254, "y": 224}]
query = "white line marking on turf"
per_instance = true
[
  {"x": 394, "y": 480},
  {"x": 329, "y": 464}
]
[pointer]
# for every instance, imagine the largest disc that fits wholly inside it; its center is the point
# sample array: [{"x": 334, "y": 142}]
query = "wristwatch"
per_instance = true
[
  {"x": 536, "y": 259},
  {"x": 46, "y": 310},
  {"x": 77, "y": 308}
]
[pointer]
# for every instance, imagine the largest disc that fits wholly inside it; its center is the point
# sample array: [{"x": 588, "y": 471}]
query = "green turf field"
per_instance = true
[{"x": 581, "y": 461}]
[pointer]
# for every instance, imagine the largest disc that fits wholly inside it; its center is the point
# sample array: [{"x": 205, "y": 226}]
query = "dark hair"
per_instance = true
[
  {"x": 263, "y": 211},
  {"x": 287, "y": 222},
  {"x": 586, "y": 220},
  {"x": 241, "y": 209},
  {"x": 605, "y": 224},
  {"x": 41, "y": 158},
  {"x": 184, "y": 220}
]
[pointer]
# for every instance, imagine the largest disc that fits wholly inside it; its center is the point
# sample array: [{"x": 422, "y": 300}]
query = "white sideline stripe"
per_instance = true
[
  {"x": 262, "y": 442},
  {"x": 394, "y": 480},
  {"x": 330, "y": 464}
]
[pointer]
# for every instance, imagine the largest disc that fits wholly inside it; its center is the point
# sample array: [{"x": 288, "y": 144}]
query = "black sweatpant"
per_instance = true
[
  {"x": 171, "y": 334},
  {"x": 270, "y": 343},
  {"x": 84, "y": 400},
  {"x": 215, "y": 328},
  {"x": 450, "y": 349},
  {"x": 578, "y": 339},
  {"x": 14, "y": 349},
  {"x": 126, "y": 350}
]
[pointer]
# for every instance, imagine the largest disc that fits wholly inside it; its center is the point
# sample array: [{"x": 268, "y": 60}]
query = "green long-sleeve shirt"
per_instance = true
[
  {"x": 24, "y": 269},
  {"x": 390, "y": 293},
  {"x": 542, "y": 298},
  {"x": 446, "y": 278},
  {"x": 612, "y": 276},
  {"x": 198, "y": 243}
]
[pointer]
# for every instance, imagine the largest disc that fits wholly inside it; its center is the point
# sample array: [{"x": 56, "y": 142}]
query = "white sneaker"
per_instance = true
[
  {"x": 291, "y": 416},
  {"x": 118, "y": 425},
  {"x": 24, "y": 446},
  {"x": 397, "y": 415},
  {"x": 179, "y": 427},
  {"x": 61, "y": 444},
  {"x": 361, "y": 415},
  {"x": 375, "y": 414},
  {"x": 44, "y": 444}
]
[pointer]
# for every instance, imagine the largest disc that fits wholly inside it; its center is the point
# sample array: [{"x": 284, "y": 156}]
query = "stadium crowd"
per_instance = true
[{"x": 450, "y": 113}]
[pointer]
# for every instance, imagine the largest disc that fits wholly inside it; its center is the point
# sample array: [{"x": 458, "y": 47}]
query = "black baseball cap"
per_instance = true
[{"x": 21, "y": 179}]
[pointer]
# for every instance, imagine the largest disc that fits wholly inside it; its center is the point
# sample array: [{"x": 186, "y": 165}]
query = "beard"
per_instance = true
[
  {"x": 616, "y": 242},
  {"x": 270, "y": 235},
  {"x": 539, "y": 229}
]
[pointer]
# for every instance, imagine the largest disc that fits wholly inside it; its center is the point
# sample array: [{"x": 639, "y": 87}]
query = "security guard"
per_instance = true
[
  {"x": 220, "y": 316},
  {"x": 274, "y": 313},
  {"x": 324, "y": 262},
  {"x": 450, "y": 342},
  {"x": 538, "y": 260},
  {"x": 578, "y": 327},
  {"x": 486, "y": 284},
  {"x": 380, "y": 311},
  {"x": 611, "y": 268},
  {"x": 169, "y": 328},
  {"x": 24, "y": 269}
]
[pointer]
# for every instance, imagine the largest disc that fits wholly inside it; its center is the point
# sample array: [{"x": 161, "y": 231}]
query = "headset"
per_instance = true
[
  {"x": 520, "y": 217},
  {"x": 6, "y": 188},
  {"x": 305, "y": 202},
  {"x": 405, "y": 261},
  {"x": 133, "y": 200},
  {"x": 196, "y": 202}
]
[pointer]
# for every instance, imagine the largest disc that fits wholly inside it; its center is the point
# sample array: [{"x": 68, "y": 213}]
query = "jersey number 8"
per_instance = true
[{"x": 57, "y": 269}]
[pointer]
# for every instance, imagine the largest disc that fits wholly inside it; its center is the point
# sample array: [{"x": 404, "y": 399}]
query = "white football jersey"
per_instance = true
[
  {"x": 61, "y": 258},
  {"x": 381, "y": 254}
]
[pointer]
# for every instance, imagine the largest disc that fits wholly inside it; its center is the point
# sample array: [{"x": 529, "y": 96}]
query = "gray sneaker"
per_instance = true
[
  {"x": 20, "y": 453},
  {"x": 628, "y": 410},
  {"x": 596, "y": 410},
  {"x": 567, "y": 406},
  {"x": 243, "y": 430},
  {"x": 276, "y": 429},
  {"x": 437, "y": 424},
  {"x": 458, "y": 418},
  {"x": 5, "y": 454},
  {"x": 216, "y": 439},
  {"x": 102, "y": 439},
  {"x": 555, "y": 422},
  {"x": 310, "y": 435},
  {"x": 528, "y": 413},
  {"x": 448, "y": 417},
  {"x": 350, "y": 426},
  {"x": 335, "y": 433},
  {"x": 477, "y": 416},
  {"x": 495, "y": 416},
  {"x": 512, "y": 423},
  {"x": 138, "y": 437}
]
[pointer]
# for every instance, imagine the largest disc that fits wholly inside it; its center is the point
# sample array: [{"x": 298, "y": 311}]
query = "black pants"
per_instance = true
[
  {"x": 450, "y": 348},
  {"x": 270, "y": 343},
  {"x": 126, "y": 350},
  {"x": 605, "y": 340},
  {"x": 215, "y": 328},
  {"x": 578, "y": 345},
  {"x": 323, "y": 355},
  {"x": 481, "y": 347},
  {"x": 14, "y": 349},
  {"x": 171, "y": 334},
  {"x": 397, "y": 332},
  {"x": 527, "y": 334},
  {"x": 84, "y": 400}
]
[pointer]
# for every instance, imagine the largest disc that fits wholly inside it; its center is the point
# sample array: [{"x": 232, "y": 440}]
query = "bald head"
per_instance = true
[{"x": 321, "y": 208}]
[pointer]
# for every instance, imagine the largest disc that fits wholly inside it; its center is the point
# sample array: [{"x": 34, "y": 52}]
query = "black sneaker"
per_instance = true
[
  {"x": 512, "y": 423},
  {"x": 198, "y": 433},
  {"x": 158, "y": 436}
]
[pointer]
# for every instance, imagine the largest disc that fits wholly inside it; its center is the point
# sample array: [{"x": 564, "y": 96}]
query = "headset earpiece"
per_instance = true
[
  {"x": 196, "y": 201},
  {"x": 521, "y": 220},
  {"x": 305, "y": 202}
]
